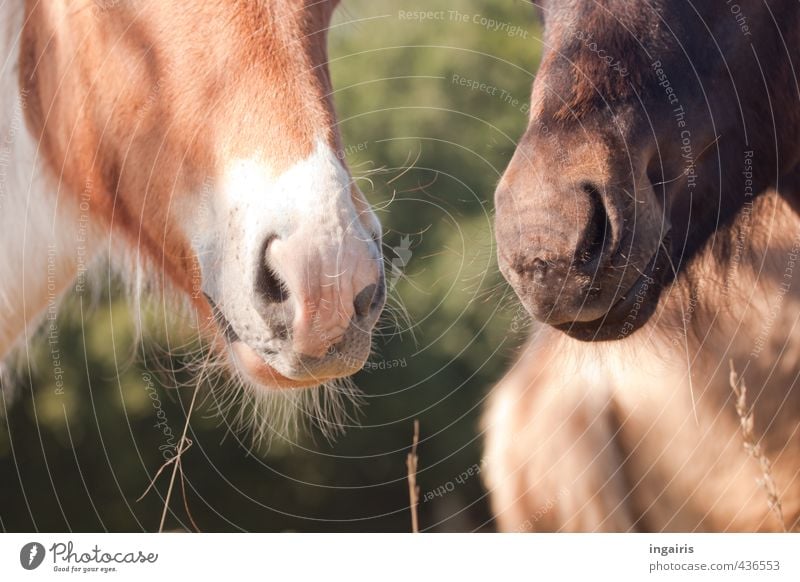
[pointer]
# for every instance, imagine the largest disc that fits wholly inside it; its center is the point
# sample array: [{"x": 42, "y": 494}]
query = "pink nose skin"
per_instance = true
[
  {"x": 324, "y": 280},
  {"x": 317, "y": 327}
]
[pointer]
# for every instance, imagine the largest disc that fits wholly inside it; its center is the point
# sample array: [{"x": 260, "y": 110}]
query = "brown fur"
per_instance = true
[{"x": 640, "y": 432}]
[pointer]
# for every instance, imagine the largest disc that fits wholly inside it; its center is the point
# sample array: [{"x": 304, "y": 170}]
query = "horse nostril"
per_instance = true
[
  {"x": 369, "y": 299},
  {"x": 597, "y": 230},
  {"x": 268, "y": 284},
  {"x": 363, "y": 300}
]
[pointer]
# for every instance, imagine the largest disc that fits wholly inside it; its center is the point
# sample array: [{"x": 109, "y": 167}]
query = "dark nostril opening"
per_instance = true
[
  {"x": 597, "y": 229},
  {"x": 369, "y": 298},
  {"x": 363, "y": 300},
  {"x": 268, "y": 284}
]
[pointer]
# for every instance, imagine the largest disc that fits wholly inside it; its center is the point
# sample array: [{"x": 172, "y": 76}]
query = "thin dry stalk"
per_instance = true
[
  {"x": 413, "y": 489},
  {"x": 183, "y": 446},
  {"x": 753, "y": 447}
]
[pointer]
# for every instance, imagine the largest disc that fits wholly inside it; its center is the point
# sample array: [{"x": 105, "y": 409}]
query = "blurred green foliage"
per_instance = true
[{"x": 427, "y": 149}]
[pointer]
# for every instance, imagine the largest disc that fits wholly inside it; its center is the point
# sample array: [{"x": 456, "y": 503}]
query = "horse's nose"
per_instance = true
[
  {"x": 556, "y": 253},
  {"x": 330, "y": 289}
]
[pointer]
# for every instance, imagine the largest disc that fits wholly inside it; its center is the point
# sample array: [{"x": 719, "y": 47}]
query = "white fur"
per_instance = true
[{"x": 322, "y": 251}]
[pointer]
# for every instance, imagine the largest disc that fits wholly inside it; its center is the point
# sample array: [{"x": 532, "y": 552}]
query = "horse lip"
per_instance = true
[
  {"x": 260, "y": 372},
  {"x": 255, "y": 367},
  {"x": 620, "y": 321}
]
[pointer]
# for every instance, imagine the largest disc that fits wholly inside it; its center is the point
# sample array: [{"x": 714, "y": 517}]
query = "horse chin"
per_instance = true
[
  {"x": 254, "y": 368},
  {"x": 633, "y": 309}
]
